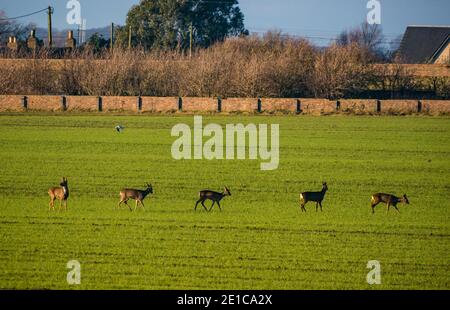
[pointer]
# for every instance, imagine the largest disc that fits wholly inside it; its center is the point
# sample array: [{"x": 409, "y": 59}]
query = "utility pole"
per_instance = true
[
  {"x": 129, "y": 37},
  {"x": 112, "y": 37},
  {"x": 190, "y": 40},
  {"x": 79, "y": 35},
  {"x": 50, "y": 34}
]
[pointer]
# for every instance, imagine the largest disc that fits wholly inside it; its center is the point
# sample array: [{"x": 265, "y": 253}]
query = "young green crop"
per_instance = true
[{"x": 261, "y": 240}]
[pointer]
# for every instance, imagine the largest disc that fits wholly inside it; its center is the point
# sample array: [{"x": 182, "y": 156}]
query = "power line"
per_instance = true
[
  {"x": 22, "y": 16},
  {"x": 313, "y": 37},
  {"x": 313, "y": 32}
]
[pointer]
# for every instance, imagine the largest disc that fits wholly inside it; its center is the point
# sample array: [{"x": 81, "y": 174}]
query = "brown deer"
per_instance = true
[
  {"x": 135, "y": 194},
  {"x": 388, "y": 199},
  {"x": 317, "y": 197},
  {"x": 60, "y": 193},
  {"x": 215, "y": 197}
]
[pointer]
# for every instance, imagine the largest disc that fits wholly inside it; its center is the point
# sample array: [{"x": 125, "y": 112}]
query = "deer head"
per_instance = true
[
  {"x": 63, "y": 182},
  {"x": 227, "y": 191},
  {"x": 405, "y": 199},
  {"x": 150, "y": 188}
]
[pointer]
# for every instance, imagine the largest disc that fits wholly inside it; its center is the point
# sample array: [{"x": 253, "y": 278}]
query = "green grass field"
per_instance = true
[{"x": 261, "y": 240}]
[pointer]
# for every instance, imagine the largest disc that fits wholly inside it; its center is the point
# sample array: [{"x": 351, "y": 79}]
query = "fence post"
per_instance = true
[
  {"x": 139, "y": 103},
  {"x": 338, "y": 105},
  {"x": 299, "y": 106},
  {"x": 259, "y": 105},
  {"x": 419, "y": 106},
  {"x": 378, "y": 106},
  {"x": 180, "y": 104},
  {"x": 24, "y": 102},
  {"x": 63, "y": 103},
  {"x": 100, "y": 104},
  {"x": 219, "y": 104}
]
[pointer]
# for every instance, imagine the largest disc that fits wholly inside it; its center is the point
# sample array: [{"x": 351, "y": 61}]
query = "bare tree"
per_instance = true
[
  {"x": 394, "y": 46},
  {"x": 340, "y": 71},
  {"x": 11, "y": 28},
  {"x": 367, "y": 36}
]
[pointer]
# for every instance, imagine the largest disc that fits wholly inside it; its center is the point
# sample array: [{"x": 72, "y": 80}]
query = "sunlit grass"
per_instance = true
[{"x": 261, "y": 240}]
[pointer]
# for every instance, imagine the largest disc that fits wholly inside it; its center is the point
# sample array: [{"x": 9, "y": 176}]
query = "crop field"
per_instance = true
[{"x": 261, "y": 239}]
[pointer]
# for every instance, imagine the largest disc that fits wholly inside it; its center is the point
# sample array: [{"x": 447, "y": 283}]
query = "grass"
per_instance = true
[{"x": 261, "y": 240}]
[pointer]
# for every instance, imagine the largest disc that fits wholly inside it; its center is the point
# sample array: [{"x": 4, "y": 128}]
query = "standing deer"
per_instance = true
[
  {"x": 317, "y": 197},
  {"x": 388, "y": 199},
  {"x": 135, "y": 194},
  {"x": 60, "y": 193},
  {"x": 215, "y": 197}
]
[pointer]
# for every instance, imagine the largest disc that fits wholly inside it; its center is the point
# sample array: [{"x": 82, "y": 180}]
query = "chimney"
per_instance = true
[
  {"x": 32, "y": 42},
  {"x": 70, "y": 41},
  {"x": 12, "y": 43}
]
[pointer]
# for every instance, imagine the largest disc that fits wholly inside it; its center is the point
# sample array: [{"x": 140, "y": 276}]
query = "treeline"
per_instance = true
[{"x": 271, "y": 66}]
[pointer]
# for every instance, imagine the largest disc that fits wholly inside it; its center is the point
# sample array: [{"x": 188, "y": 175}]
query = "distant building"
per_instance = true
[{"x": 425, "y": 45}]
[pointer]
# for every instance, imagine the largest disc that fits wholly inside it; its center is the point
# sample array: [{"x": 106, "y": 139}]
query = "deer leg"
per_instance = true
[
  {"x": 212, "y": 206},
  {"x": 303, "y": 207},
  {"x": 220, "y": 208},
  {"x": 126, "y": 202},
  {"x": 388, "y": 207},
  {"x": 65, "y": 204},
  {"x": 120, "y": 202},
  {"x": 142, "y": 204},
  {"x": 395, "y": 206},
  {"x": 135, "y": 207},
  {"x": 317, "y": 206},
  {"x": 51, "y": 204},
  {"x": 196, "y": 204},
  {"x": 60, "y": 203},
  {"x": 204, "y": 207},
  {"x": 373, "y": 207}
]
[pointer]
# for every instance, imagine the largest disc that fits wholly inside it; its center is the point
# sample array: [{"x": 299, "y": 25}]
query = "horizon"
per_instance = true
[{"x": 319, "y": 21}]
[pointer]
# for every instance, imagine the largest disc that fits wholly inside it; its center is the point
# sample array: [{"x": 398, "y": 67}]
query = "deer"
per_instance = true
[
  {"x": 137, "y": 195},
  {"x": 316, "y": 197},
  {"x": 389, "y": 200},
  {"x": 215, "y": 197},
  {"x": 60, "y": 193}
]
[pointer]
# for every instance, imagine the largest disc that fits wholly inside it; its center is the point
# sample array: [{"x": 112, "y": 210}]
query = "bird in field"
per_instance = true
[{"x": 120, "y": 128}]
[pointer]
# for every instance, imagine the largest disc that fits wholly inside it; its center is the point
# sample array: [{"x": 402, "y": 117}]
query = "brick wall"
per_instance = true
[{"x": 170, "y": 104}]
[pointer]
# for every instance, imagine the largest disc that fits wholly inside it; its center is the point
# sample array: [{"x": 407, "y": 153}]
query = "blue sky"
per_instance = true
[{"x": 318, "y": 19}]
